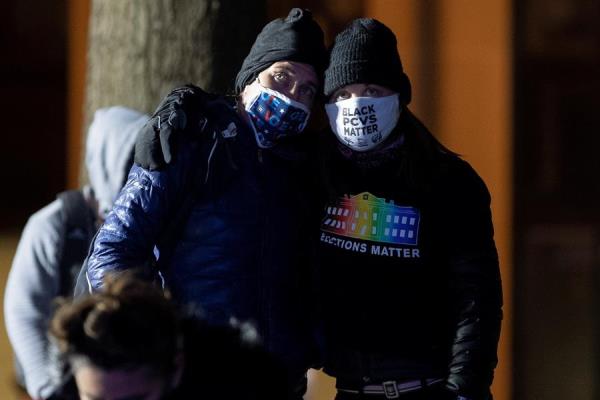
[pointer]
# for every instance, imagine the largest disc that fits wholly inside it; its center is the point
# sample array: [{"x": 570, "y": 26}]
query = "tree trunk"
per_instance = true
[{"x": 140, "y": 49}]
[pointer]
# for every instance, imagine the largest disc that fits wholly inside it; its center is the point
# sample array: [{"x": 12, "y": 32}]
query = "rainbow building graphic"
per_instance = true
[{"x": 367, "y": 217}]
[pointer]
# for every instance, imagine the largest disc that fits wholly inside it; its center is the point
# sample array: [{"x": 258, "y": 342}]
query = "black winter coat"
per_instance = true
[{"x": 408, "y": 273}]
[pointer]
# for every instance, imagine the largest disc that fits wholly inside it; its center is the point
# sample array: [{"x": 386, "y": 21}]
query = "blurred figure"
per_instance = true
[
  {"x": 410, "y": 283},
  {"x": 129, "y": 341},
  {"x": 55, "y": 242}
]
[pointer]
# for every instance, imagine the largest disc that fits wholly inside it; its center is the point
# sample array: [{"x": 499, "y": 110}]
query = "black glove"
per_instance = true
[{"x": 181, "y": 113}]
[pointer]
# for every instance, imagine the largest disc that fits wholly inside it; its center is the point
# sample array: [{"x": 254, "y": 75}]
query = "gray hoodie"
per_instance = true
[{"x": 34, "y": 278}]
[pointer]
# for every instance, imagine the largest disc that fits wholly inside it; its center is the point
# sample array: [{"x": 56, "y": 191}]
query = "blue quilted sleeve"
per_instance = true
[{"x": 139, "y": 214}]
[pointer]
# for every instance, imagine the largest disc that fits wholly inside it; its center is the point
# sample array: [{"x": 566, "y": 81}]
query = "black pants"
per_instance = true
[{"x": 435, "y": 392}]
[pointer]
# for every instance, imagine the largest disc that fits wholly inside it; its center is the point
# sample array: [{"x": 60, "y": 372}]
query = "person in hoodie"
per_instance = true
[
  {"x": 54, "y": 244},
  {"x": 240, "y": 249},
  {"x": 408, "y": 271}
]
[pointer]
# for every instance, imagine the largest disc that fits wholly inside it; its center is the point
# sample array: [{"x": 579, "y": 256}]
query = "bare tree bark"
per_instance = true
[{"x": 140, "y": 49}]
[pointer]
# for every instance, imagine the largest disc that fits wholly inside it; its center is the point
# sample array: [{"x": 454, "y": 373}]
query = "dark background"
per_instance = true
[
  {"x": 556, "y": 172},
  {"x": 33, "y": 81},
  {"x": 557, "y": 199}
]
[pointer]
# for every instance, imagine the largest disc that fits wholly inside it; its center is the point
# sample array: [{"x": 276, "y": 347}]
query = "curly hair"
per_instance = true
[{"x": 131, "y": 323}]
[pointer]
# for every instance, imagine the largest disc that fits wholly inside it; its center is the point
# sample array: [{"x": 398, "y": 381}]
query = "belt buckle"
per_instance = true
[{"x": 390, "y": 390}]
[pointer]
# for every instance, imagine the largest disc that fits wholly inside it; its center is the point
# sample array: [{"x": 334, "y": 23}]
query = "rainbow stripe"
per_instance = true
[{"x": 367, "y": 217}]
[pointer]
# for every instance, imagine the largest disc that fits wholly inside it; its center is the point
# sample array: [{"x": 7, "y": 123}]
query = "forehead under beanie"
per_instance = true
[
  {"x": 296, "y": 38},
  {"x": 366, "y": 52}
]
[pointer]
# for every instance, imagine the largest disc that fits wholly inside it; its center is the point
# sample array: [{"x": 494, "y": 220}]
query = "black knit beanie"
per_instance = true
[
  {"x": 366, "y": 52},
  {"x": 297, "y": 38}
]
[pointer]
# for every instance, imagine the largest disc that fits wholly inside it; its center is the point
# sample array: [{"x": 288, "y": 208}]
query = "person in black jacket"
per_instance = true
[{"x": 408, "y": 275}]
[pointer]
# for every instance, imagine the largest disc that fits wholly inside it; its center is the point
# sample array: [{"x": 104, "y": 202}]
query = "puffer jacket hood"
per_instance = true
[{"x": 109, "y": 147}]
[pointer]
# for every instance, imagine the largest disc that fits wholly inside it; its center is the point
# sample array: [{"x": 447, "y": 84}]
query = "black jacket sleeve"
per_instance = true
[{"x": 474, "y": 283}]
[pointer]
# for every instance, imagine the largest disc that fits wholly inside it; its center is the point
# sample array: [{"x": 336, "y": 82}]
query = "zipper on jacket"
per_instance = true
[
  {"x": 262, "y": 287},
  {"x": 259, "y": 154}
]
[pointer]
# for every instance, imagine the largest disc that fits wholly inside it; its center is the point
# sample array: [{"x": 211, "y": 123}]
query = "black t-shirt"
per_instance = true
[{"x": 388, "y": 250}]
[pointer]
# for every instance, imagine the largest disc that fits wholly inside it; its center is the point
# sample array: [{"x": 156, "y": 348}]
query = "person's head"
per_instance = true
[
  {"x": 109, "y": 152},
  {"x": 121, "y": 343},
  {"x": 131, "y": 342},
  {"x": 365, "y": 85},
  {"x": 281, "y": 77}
]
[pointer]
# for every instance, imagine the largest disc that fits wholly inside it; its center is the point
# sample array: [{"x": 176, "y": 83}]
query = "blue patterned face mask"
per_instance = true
[{"x": 274, "y": 115}]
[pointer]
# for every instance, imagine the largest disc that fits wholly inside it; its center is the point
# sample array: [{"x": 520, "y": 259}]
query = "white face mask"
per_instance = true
[{"x": 362, "y": 123}]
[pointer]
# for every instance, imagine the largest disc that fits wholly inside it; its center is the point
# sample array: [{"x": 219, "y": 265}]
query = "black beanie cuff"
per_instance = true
[{"x": 358, "y": 72}]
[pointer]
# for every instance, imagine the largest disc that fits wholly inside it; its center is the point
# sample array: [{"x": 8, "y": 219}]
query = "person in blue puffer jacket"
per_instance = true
[{"x": 242, "y": 246}]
